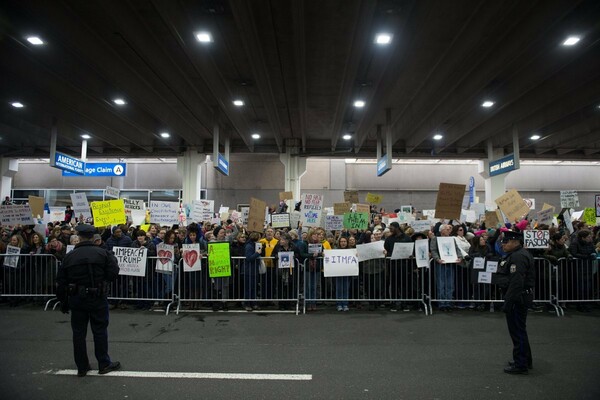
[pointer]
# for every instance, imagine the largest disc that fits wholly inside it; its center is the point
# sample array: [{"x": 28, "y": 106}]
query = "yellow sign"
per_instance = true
[
  {"x": 374, "y": 198},
  {"x": 108, "y": 212},
  {"x": 219, "y": 263}
]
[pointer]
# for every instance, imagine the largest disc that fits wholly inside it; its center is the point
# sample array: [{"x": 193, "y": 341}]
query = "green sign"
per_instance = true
[
  {"x": 356, "y": 220},
  {"x": 589, "y": 216},
  {"x": 219, "y": 263}
]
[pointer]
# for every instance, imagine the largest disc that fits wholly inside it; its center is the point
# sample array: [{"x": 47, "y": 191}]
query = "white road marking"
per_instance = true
[{"x": 189, "y": 375}]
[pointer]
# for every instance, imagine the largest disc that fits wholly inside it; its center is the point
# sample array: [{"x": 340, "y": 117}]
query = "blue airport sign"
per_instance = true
[
  {"x": 383, "y": 165},
  {"x": 503, "y": 165},
  {"x": 102, "y": 169},
  {"x": 68, "y": 163},
  {"x": 471, "y": 190},
  {"x": 222, "y": 165}
]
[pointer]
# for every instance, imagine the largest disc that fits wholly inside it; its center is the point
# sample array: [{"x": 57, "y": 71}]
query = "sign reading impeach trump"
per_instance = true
[{"x": 132, "y": 261}]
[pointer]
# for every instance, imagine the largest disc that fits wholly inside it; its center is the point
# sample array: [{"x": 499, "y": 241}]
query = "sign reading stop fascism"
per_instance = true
[{"x": 536, "y": 239}]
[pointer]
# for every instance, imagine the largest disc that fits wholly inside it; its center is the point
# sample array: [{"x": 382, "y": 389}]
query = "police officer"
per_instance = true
[
  {"x": 81, "y": 287},
  {"x": 516, "y": 278}
]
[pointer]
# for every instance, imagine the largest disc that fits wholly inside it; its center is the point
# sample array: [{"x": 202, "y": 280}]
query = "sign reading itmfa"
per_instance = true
[{"x": 102, "y": 169}]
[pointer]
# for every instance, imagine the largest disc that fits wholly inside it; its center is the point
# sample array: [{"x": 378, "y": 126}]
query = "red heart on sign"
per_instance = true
[
  {"x": 165, "y": 256},
  {"x": 190, "y": 257}
]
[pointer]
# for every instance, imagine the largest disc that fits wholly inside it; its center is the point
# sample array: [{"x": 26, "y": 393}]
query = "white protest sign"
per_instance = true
[
  {"x": 536, "y": 239},
  {"x": 294, "y": 219},
  {"x": 286, "y": 259},
  {"x": 12, "y": 261},
  {"x": 334, "y": 222},
  {"x": 70, "y": 248},
  {"x": 191, "y": 257},
  {"x": 479, "y": 209},
  {"x": 81, "y": 206},
  {"x": 479, "y": 263},
  {"x": 310, "y": 211},
  {"x": 404, "y": 218},
  {"x": 544, "y": 217},
  {"x": 280, "y": 220},
  {"x": 430, "y": 214},
  {"x": 16, "y": 214},
  {"x": 132, "y": 261},
  {"x": 57, "y": 214},
  {"x": 370, "y": 251},
  {"x": 166, "y": 256},
  {"x": 245, "y": 213},
  {"x": 492, "y": 266},
  {"x": 315, "y": 248},
  {"x": 468, "y": 215},
  {"x": 340, "y": 262},
  {"x": 484, "y": 277},
  {"x": 111, "y": 192},
  {"x": 402, "y": 250},
  {"x": 569, "y": 198},
  {"x": 447, "y": 249},
  {"x": 202, "y": 210},
  {"x": 422, "y": 253},
  {"x": 223, "y": 210},
  {"x": 133, "y": 204},
  {"x": 164, "y": 212},
  {"x": 421, "y": 225},
  {"x": 568, "y": 221}
]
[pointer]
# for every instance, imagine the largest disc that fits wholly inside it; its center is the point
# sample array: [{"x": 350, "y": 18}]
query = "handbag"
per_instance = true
[{"x": 262, "y": 268}]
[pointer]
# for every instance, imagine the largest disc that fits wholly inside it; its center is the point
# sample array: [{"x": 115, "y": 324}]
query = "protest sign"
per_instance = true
[
  {"x": 341, "y": 262},
  {"x": 37, "y": 206},
  {"x": 362, "y": 208},
  {"x": 589, "y": 216},
  {"x": 70, "y": 248},
  {"x": 80, "y": 205},
  {"x": 351, "y": 196},
  {"x": 341, "y": 208},
  {"x": 11, "y": 259},
  {"x": 164, "y": 212},
  {"x": 310, "y": 211},
  {"x": 256, "y": 215},
  {"x": 484, "y": 277},
  {"x": 491, "y": 266},
  {"x": 132, "y": 261},
  {"x": 373, "y": 198},
  {"x": 404, "y": 218},
  {"x": 468, "y": 216},
  {"x": 544, "y": 217},
  {"x": 479, "y": 209},
  {"x": 429, "y": 214},
  {"x": 334, "y": 222},
  {"x": 402, "y": 250},
  {"x": 370, "y": 251},
  {"x": 166, "y": 256},
  {"x": 133, "y": 204},
  {"x": 280, "y": 220},
  {"x": 57, "y": 214},
  {"x": 315, "y": 248},
  {"x": 447, "y": 248},
  {"x": 202, "y": 210},
  {"x": 530, "y": 203},
  {"x": 219, "y": 263},
  {"x": 356, "y": 220},
  {"x": 421, "y": 225},
  {"x": 244, "y": 212},
  {"x": 479, "y": 263},
  {"x": 536, "y": 239},
  {"x": 286, "y": 196},
  {"x": 286, "y": 259},
  {"x": 597, "y": 199},
  {"x": 108, "y": 212},
  {"x": 492, "y": 219},
  {"x": 16, "y": 214},
  {"x": 512, "y": 205},
  {"x": 422, "y": 253},
  {"x": 191, "y": 257},
  {"x": 569, "y": 198},
  {"x": 294, "y": 219},
  {"x": 111, "y": 192},
  {"x": 449, "y": 200},
  {"x": 566, "y": 214}
]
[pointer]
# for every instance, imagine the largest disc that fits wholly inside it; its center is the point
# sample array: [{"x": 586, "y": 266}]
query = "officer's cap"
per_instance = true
[
  {"x": 86, "y": 229},
  {"x": 512, "y": 235}
]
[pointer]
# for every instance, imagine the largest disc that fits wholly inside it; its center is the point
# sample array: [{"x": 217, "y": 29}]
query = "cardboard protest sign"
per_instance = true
[
  {"x": 219, "y": 262},
  {"x": 512, "y": 205},
  {"x": 362, "y": 208},
  {"x": 422, "y": 253},
  {"x": 164, "y": 212},
  {"x": 492, "y": 219},
  {"x": 334, "y": 222},
  {"x": 11, "y": 259},
  {"x": 191, "y": 257},
  {"x": 132, "y": 261},
  {"x": 256, "y": 215},
  {"x": 351, "y": 196},
  {"x": 341, "y": 208},
  {"x": 536, "y": 239},
  {"x": 80, "y": 205},
  {"x": 569, "y": 198},
  {"x": 111, "y": 192},
  {"x": 370, "y": 251},
  {"x": 108, "y": 212},
  {"x": 166, "y": 256},
  {"x": 402, "y": 250},
  {"x": 372, "y": 198},
  {"x": 449, "y": 200},
  {"x": 356, "y": 221},
  {"x": 280, "y": 220},
  {"x": 16, "y": 214},
  {"x": 310, "y": 211},
  {"x": 286, "y": 196},
  {"x": 341, "y": 262},
  {"x": 37, "y": 206}
]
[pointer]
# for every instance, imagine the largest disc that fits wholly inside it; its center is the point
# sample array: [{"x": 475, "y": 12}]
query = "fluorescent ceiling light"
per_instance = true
[
  {"x": 255, "y": 136},
  {"x": 204, "y": 37},
  {"x": 86, "y": 136},
  {"x": 347, "y": 137},
  {"x": 35, "y": 40},
  {"x": 359, "y": 104},
  {"x": 119, "y": 102},
  {"x": 165, "y": 135},
  {"x": 571, "y": 40},
  {"x": 17, "y": 104},
  {"x": 383, "y": 38},
  {"x": 437, "y": 137},
  {"x": 535, "y": 137},
  {"x": 487, "y": 104},
  {"x": 238, "y": 103}
]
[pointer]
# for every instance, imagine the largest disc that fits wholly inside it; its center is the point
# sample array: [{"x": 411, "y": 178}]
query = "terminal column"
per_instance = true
[
  {"x": 9, "y": 168},
  {"x": 294, "y": 167},
  {"x": 189, "y": 166},
  {"x": 495, "y": 186}
]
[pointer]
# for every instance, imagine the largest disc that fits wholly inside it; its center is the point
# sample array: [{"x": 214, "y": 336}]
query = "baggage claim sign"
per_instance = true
[{"x": 101, "y": 169}]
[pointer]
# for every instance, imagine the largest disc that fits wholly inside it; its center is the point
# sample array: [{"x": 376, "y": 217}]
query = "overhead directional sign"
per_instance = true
[
  {"x": 102, "y": 169},
  {"x": 504, "y": 165},
  {"x": 68, "y": 163},
  {"x": 222, "y": 165}
]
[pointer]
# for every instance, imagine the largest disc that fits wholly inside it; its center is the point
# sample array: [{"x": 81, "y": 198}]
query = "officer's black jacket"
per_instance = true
[
  {"x": 515, "y": 274},
  {"x": 388, "y": 245},
  {"x": 74, "y": 268}
]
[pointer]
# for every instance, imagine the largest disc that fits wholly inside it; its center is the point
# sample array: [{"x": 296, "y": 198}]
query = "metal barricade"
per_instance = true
[
  {"x": 157, "y": 285},
  {"x": 246, "y": 287},
  {"x": 577, "y": 282},
  {"x": 29, "y": 276},
  {"x": 544, "y": 290}
]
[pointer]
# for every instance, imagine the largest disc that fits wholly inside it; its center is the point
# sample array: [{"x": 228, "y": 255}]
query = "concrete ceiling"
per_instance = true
[{"x": 299, "y": 66}]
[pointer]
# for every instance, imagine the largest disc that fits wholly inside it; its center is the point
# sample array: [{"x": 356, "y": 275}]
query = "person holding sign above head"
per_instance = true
[
  {"x": 82, "y": 282},
  {"x": 516, "y": 278}
]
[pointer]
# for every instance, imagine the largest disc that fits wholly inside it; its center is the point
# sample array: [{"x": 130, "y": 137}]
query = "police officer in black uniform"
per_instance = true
[
  {"x": 516, "y": 278},
  {"x": 82, "y": 283}
]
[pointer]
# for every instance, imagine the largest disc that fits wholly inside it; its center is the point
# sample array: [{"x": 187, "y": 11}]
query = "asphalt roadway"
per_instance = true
[{"x": 354, "y": 355}]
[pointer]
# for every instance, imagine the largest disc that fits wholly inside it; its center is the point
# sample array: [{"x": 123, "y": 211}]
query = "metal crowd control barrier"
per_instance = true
[
  {"x": 29, "y": 276},
  {"x": 246, "y": 285},
  {"x": 379, "y": 281},
  {"x": 577, "y": 281},
  {"x": 155, "y": 286}
]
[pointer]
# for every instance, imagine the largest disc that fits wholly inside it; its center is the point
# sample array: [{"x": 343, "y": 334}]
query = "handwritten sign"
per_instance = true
[
  {"x": 402, "y": 250},
  {"x": 37, "y": 206},
  {"x": 479, "y": 263},
  {"x": 80, "y": 205},
  {"x": 545, "y": 216},
  {"x": 132, "y": 261},
  {"x": 256, "y": 215},
  {"x": 449, "y": 200},
  {"x": 166, "y": 256},
  {"x": 512, "y": 205},
  {"x": 16, "y": 214},
  {"x": 351, "y": 196},
  {"x": 484, "y": 277},
  {"x": 164, "y": 212},
  {"x": 108, "y": 212},
  {"x": 334, "y": 222},
  {"x": 569, "y": 198},
  {"x": 536, "y": 239},
  {"x": 370, "y": 251},
  {"x": 373, "y": 198},
  {"x": 280, "y": 220},
  {"x": 191, "y": 257},
  {"x": 362, "y": 208},
  {"x": 12, "y": 261},
  {"x": 286, "y": 196},
  {"x": 356, "y": 220},
  {"x": 202, "y": 210},
  {"x": 421, "y": 225},
  {"x": 341, "y": 208},
  {"x": 219, "y": 263},
  {"x": 133, "y": 204},
  {"x": 111, "y": 192},
  {"x": 310, "y": 211},
  {"x": 341, "y": 262}
]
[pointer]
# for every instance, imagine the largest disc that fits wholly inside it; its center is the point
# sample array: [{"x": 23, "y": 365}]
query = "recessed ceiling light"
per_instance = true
[
  {"x": 17, "y": 104},
  {"x": 35, "y": 40},
  {"x": 347, "y": 136},
  {"x": 86, "y": 136},
  {"x": 383, "y": 38},
  {"x": 571, "y": 40},
  {"x": 487, "y": 104},
  {"x": 535, "y": 137},
  {"x": 165, "y": 135},
  {"x": 238, "y": 103},
  {"x": 119, "y": 102},
  {"x": 437, "y": 137},
  {"x": 255, "y": 136},
  {"x": 359, "y": 104},
  {"x": 204, "y": 37}
]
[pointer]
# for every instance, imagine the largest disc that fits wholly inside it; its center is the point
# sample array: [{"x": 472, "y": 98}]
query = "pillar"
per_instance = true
[
  {"x": 189, "y": 166},
  {"x": 294, "y": 167},
  {"x": 9, "y": 168},
  {"x": 495, "y": 186}
]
